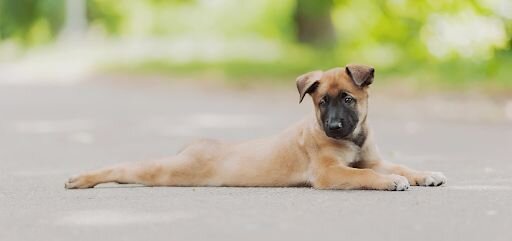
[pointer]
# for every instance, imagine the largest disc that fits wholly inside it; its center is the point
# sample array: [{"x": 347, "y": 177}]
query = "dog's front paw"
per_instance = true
[
  {"x": 397, "y": 183},
  {"x": 431, "y": 179},
  {"x": 78, "y": 182}
]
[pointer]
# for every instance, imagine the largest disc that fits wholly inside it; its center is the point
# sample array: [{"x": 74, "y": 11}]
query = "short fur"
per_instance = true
[{"x": 303, "y": 154}]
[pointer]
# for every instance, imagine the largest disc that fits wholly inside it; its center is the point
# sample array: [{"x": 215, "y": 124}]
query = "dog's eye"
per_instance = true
[
  {"x": 322, "y": 101},
  {"x": 348, "y": 100}
]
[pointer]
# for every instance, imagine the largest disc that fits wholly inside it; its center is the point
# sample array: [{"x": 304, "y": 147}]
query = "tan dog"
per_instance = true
[{"x": 331, "y": 150}]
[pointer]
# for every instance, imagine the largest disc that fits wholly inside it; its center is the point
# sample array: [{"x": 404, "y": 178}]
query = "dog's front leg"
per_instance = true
[
  {"x": 416, "y": 178},
  {"x": 342, "y": 177},
  {"x": 371, "y": 159}
]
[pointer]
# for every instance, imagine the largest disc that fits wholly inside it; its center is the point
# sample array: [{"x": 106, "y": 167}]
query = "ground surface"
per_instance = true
[{"x": 49, "y": 132}]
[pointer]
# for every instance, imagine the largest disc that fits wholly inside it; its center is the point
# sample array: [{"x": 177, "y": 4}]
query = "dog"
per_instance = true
[{"x": 331, "y": 149}]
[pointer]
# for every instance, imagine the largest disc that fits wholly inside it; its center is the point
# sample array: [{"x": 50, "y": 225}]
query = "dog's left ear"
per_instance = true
[
  {"x": 307, "y": 83},
  {"x": 362, "y": 75}
]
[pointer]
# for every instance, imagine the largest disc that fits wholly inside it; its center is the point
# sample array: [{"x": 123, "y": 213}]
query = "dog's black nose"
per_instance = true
[{"x": 334, "y": 125}]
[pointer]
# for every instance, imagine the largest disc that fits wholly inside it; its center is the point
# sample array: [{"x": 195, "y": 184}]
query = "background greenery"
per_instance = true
[{"x": 423, "y": 43}]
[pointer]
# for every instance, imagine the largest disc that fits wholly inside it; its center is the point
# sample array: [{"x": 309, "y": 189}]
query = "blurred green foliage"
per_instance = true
[
  {"x": 109, "y": 14},
  {"x": 444, "y": 42},
  {"x": 31, "y": 21}
]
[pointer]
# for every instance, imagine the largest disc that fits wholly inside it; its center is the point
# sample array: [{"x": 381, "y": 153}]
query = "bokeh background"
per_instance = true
[{"x": 421, "y": 44}]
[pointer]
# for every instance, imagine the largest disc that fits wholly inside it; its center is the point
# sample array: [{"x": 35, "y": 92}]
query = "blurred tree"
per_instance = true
[
  {"x": 30, "y": 21},
  {"x": 108, "y": 14},
  {"x": 313, "y": 22},
  {"x": 38, "y": 21},
  {"x": 76, "y": 22}
]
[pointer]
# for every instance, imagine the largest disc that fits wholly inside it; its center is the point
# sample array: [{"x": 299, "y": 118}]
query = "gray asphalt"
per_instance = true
[{"x": 49, "y": 132}]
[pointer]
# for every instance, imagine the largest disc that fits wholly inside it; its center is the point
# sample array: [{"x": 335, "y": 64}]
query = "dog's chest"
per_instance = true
[{"x": 346, "y": 154}]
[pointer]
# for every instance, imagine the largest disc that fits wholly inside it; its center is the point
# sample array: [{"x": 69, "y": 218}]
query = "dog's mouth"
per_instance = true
[
  {"x": 338, "y": 135},
  {"x": 341, "y": 131}
]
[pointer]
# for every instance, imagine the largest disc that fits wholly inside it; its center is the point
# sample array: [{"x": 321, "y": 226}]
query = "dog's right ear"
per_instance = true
[
  {"x": 362, "y": 75},
  {"x": 307, "y": 83}
]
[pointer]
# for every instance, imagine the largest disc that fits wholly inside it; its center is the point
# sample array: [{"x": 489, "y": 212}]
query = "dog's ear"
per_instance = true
[
  {"x": 307, "y": 83},
  {"x": 362, "y": 75}
]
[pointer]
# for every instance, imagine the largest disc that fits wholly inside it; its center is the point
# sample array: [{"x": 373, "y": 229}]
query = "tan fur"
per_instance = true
[{"x": 301, "y": 155}]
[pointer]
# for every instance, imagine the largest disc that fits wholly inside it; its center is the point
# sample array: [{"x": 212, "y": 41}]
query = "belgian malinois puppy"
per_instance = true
[{"x": 331, "y": 149}]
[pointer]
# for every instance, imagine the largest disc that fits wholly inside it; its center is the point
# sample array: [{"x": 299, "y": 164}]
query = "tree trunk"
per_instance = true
[
  {"x": 313, "y": 22},
  {"x": 76, "y": 21}
]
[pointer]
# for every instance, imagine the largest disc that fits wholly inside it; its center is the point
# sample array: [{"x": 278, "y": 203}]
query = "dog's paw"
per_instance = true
[
  {"x": 398, "y": 183},
  {"x": 78, "y": 182},
  {"x": 431, "y": 179}
]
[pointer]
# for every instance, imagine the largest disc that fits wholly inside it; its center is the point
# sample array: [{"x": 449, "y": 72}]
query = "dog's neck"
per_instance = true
[{"x": 358, "y": 138}]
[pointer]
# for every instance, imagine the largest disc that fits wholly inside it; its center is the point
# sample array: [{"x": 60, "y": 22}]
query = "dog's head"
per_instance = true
[{"x": 340, "y": 96}]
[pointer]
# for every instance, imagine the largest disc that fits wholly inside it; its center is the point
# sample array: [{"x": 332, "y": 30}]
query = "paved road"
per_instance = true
[{"x": 48, "y": 132}]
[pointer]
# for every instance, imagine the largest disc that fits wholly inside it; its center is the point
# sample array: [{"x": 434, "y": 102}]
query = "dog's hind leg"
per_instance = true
[
  {"x": 175, "y": 171},
  {"x": 146, "y": 173}
]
